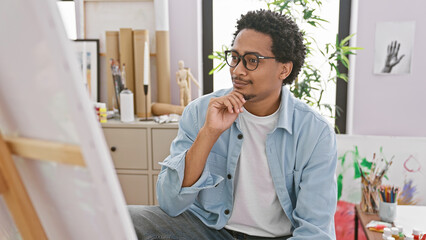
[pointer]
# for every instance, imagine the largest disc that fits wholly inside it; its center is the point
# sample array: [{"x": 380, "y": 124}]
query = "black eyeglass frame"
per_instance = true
[{"x": 241, "y": 57}]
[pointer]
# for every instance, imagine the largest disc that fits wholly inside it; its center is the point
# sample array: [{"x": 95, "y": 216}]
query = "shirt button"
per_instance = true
[
  {"x": 240, "y": 136},
  {"x": 229, "y": 176},
  {"x": 226, "y": 211}
]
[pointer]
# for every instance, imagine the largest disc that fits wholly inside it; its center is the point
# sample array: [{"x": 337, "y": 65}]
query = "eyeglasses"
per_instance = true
[{"x": 250, "y": 60}]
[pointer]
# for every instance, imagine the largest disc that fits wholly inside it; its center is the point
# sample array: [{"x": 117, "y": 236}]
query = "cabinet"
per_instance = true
[{"x": 136, "y": 148}]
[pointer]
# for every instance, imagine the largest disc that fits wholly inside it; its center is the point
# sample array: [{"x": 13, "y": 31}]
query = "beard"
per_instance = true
[{"x": 248, "y": 97}]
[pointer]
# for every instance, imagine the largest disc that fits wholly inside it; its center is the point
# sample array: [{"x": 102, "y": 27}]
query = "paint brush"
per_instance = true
[{"x": 373, "y": 166}]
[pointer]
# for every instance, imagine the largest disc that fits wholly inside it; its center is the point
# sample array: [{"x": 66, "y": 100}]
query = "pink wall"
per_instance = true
[
  {"x": 185, "y": 43},
  {"x": 388, "y": 105}
]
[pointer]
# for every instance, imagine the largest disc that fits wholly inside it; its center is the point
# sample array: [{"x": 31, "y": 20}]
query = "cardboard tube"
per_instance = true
[
  {"x": 163, "y": 66},
  {"x": 111, "y": 39},
  {"x": 126, "y": 56},
  {"x": 164, "y": 108}
]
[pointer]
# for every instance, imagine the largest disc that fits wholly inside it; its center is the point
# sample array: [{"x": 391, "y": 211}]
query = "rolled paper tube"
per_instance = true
[
  {"x": 163, "y": 66},
  {"x": 111, "y": 39},
  {"x": 164, "y": 108},
  {"x": 126, "y": 56}
]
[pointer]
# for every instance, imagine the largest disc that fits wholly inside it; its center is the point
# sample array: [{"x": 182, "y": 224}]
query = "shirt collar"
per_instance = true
[{"x": 285, "y": 119}]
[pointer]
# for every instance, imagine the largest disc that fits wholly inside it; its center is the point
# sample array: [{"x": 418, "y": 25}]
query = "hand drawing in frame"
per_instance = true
[{"x": 394, "y": 46}]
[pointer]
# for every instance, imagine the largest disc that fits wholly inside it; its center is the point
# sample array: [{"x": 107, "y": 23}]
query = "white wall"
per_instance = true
[
  {"x": 185, "y": 43},
  {"x": 388, "y": 104}
]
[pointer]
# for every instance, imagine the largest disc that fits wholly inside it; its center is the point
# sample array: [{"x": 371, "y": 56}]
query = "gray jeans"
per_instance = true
[{"x": 151, "y": 223}]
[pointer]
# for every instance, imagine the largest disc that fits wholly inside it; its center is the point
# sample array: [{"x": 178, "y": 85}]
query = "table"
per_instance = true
[
  {"x": 407, "y": 216},
  {"x": 364, "y": 219}
]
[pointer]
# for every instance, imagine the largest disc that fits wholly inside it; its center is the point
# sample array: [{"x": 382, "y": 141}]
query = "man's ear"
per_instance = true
[{"x": 286, "y": 69}]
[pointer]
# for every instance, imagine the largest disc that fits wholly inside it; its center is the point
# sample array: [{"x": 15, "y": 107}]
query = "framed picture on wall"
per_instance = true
[
  {"x": 87, "y": 53},
  {"x": 394, "y": 47}
]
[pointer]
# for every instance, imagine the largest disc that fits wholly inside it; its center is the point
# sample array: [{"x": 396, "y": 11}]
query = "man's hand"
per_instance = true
[
  {"x": 223, "y": 111},
  {"x": 392, "y": 57}
]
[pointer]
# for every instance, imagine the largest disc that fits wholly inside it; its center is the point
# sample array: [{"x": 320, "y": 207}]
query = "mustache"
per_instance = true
[{"x": 240, "y": 79}]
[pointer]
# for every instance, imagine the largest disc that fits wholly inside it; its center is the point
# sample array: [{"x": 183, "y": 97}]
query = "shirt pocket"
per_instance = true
[{"x": 217, "y": 166}]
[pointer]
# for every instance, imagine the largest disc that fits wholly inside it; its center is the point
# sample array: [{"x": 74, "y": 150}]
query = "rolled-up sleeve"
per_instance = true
[
  {"x": 172, "y": 197},
  {"x": 317, "y": 196}
]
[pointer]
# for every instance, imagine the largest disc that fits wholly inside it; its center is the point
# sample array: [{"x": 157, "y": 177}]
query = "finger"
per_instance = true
[
  {"x": 228, "y": 105},
  {"x": 240, "y": 96},
  {"x": 400, "y": 58},
  {"x": 397, "y": 49},
  {"x": 241, "y": 100},
  {"x": 236, "y": 102}
]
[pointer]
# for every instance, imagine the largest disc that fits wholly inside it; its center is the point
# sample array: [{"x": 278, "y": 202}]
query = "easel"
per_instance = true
[{"x": 12, "y": 187}]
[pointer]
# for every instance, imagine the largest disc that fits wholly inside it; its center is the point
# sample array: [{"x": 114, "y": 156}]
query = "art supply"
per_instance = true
[
  {"x": 145, "y": 90},
  {"x": 395, "y": 233},
  {"x": 370, "y": 182},
  {"x": 388, "y": 193},
  {"x": 123, "y": 75},
  {"x": 400, "y": 232},
  {"x": 117, "y": 80},
  {"x": 146, "y": 65},
  {"x": 97, "y": 107},
  {"x": 127, "y": 113},
  {"x": 387, "y": 213},
  {"x": 379, "y": 226},
  {"x": 386, "y": 233},
  {"x": 164, "y": 108},
  {"x": 416, "y": 234},
  {"x": 102, "y": 113}
]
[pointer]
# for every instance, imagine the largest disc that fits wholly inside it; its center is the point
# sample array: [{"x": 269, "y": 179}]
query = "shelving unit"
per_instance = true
[{"x": 136, "y": 148}]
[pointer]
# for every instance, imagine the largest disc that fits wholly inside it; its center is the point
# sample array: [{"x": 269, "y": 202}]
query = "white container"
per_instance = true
[
  {"x": 127, "y": 111},
  {"x": 387, "y": 212}
]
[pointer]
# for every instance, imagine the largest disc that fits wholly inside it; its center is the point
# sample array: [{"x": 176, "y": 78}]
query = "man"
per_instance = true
[{"x": 250, "y": 162}]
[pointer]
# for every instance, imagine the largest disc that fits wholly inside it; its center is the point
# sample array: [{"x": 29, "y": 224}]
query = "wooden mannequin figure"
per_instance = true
[{"x": 183, "y": 78}]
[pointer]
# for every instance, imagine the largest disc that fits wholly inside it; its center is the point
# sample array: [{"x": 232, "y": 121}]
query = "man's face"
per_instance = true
[{"x": 264, "y": 83}]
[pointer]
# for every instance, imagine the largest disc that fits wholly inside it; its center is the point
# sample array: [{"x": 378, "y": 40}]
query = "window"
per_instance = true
[
  {"x": 67, "y": 11},
  {"x": 227, "y": 12}
]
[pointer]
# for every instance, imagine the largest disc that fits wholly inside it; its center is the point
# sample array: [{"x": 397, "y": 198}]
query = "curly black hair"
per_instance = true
[{"x": 287, "y": 40}]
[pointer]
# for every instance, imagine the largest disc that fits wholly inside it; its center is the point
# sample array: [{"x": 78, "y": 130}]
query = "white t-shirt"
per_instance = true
[{"x": 257, "y": 210}]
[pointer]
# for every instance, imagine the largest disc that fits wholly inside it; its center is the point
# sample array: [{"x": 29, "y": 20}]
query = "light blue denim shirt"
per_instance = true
[{"x": 302, "y": 157}]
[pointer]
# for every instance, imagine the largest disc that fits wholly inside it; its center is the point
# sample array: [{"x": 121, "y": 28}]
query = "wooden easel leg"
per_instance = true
[{"x": 16, "y": 197}]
